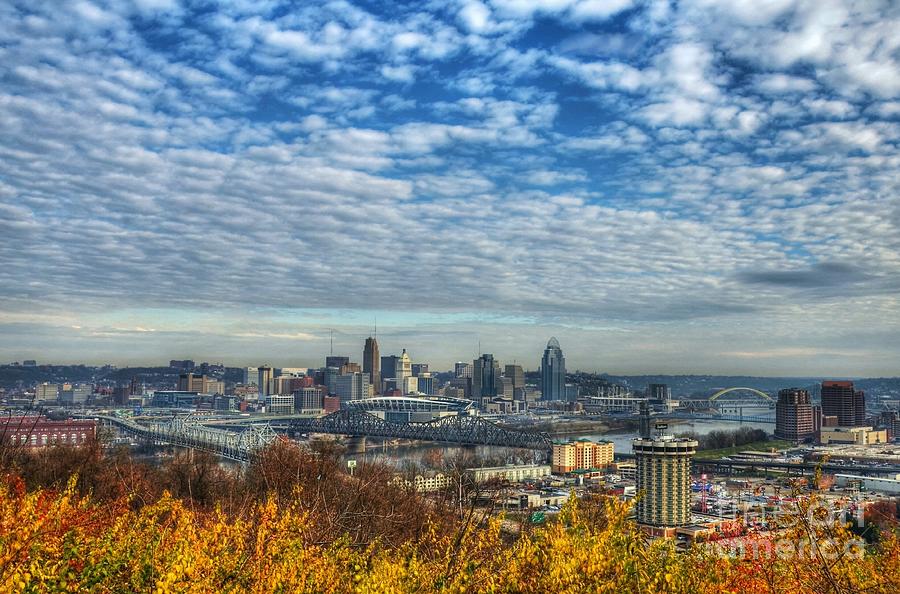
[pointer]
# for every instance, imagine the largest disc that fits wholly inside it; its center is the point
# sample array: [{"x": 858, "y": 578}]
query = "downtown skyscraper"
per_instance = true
[
  {"x": 372, "y": 363},
  {"x": 553, "y": 372}
]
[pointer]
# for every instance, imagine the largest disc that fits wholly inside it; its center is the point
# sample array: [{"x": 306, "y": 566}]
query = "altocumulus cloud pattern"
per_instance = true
[{"x": 640, "y": 178}]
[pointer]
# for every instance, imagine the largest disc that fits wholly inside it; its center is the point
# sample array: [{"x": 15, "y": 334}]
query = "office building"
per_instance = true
[
  {"x": 372, "y": 363},
  {"x": 506, "y": 390},
  {"x": 183, "y": 364},
  {"x": 462, "y": 369},
  {"x": 553, "y": 372},
  {"x": 389, "y": 365},
  {"x": 582, "y": 454},
  {"x": 840, "y": 399},
  {"x": 852, "y": 435},
  {"x": 404, "y": 367},
  {"x": 251, "y": 376},
  {"x": 511, "y": 473},
  {"x": 663, "y": 480},
  {"x": 46, "y": 392},
  {"x": 202, "y": 384},
  {"x": 794, "y": 415},
  {"x": 352, "y": 386},
  {"x": 419, "y": 368},
  {"x": 426, "y": 384},
  {"x": 309, "y": 399},
  {"x": 263, "y": 379},
  {"x": 330, "y": 379},
  {"x": 485, "y": 378},
  {"x": 75, "y": 395},
  {"x": 336, "y": 361},
  {"x": 279, "y": 404},
  {"x": 516, "y": 375},
  {"x": 410, "y": 385}
]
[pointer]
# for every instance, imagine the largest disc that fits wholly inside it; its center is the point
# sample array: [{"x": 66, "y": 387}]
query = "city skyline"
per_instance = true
[{"x": 707, "y": 187}]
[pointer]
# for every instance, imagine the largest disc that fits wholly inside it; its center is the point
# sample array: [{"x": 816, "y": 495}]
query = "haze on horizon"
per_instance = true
[{"x": 708, "y": 186}]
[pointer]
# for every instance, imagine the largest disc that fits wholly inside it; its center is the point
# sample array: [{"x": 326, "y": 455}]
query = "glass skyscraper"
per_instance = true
[{"x": 553, "y": 372}]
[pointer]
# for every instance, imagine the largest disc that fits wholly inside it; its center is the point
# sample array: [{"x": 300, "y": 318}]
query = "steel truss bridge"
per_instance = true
[
  {"x": 186, "y": 431},
  {"x": 461, "y": 429},
  {"x": 713, "y": 417},
  {"x": 730, "y": 466}
]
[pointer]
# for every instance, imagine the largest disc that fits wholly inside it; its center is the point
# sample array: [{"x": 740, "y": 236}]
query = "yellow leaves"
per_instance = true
[{"x": 58, "y": 542}]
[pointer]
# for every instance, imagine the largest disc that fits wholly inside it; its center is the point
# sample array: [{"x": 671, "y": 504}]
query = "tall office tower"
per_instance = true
[
  {"x": 553, "y": 372},
  {"x": 352, "y": 386},
  {"x": 664, "y": 479},
  {"x": 336, "y": 361},
  {"x": 841, "y": 400},
  {"x": 404, "y": 369},
  {"x": 516, "y": 374},
  {"x": 794, "y": 415},
  {"x": 308, "y": 399},
  {"x": 462, "y": 369},
  {"x": 505, "y": 388},
  {"x": 419, "y": 368},
  {"x": 389, "y": 366},
  {"x": 659, "y": 393},
  {"x": 426, "y": 383},
  {"x": 485, "y": 377},
  {"x": 263, "y": 379},
  {"x": 372, "y": 363},
  {"x": 330, "y": 380},
  {"x": 251, "y": 375}
]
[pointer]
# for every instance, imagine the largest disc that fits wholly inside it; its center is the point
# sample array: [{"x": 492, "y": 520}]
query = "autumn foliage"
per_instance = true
[{"x": 295, "y": 522}]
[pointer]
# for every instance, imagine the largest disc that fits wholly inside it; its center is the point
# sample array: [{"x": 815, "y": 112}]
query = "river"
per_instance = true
[{"x": 396, "y": 455}]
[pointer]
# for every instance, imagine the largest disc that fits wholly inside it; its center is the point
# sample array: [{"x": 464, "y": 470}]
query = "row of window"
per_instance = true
[{"x": 48, "y": 439}]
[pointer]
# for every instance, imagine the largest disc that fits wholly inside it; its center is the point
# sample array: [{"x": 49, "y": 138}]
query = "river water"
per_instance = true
[{"x": 397, "y": 455}]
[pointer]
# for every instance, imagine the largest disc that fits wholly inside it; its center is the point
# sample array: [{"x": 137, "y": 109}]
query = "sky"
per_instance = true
[{"x": 667, "y": 187}]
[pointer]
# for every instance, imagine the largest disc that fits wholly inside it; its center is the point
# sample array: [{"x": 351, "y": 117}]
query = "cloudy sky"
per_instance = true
[{"x": 698, "y": 186}]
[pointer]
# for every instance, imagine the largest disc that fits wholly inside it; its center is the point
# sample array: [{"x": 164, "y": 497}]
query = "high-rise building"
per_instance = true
[
  {"x": 426, "y": 384},
  {"x": 352, "y": 386},
  {"x": 664, "y": 480},
  {"x": 336, "y": 361},
  {"x": 419, "y": 368},
  {"x": 516, "y": 374},
  {"x": 251, "y": 375},
  {"x": 404, "y": 367},
  {"x": 462, "y": 369},
  {"x": 485, "y": 378},
  {"x": 506, "y": 389},
  {"x": 794, "y": 415},
  {"x": 309, "y": 399},
  {"x": 553, "y": 372},
  {"x": 372, "y": 363},
  {"x": 263, "y": 379},
  {"x": 841, "y": 400},
  {"x": 389, "y": 366}
]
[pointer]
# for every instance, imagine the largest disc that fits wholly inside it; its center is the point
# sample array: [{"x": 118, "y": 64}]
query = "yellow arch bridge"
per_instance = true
[{"x": 759, "y": 393}]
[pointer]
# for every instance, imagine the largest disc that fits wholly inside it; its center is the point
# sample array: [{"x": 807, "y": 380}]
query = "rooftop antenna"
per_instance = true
[
  {"x": 376, "y": 327},
  {"x": 332, "y": 340}
]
